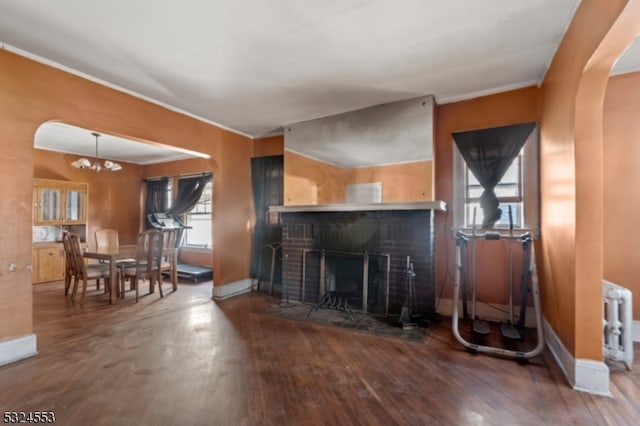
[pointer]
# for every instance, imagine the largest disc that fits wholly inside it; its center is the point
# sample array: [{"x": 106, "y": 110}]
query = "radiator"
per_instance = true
[{"x": 617, "y": 324}]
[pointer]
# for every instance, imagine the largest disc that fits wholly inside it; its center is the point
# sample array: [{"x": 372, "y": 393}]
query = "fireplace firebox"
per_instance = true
[{"x": 348, "y": 280}]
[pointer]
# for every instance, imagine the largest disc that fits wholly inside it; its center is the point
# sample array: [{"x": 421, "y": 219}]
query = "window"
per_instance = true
[
  {"x": 199, "y": 218},
  {"x": 517, "y": 190},
  {"x": 508, "y": 190}
]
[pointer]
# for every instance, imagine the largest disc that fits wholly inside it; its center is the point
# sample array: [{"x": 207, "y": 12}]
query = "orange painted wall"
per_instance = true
[
  {"x": 400, "y": 182},
  {"x": 265, "y": 147},
  {"x": 621, "y": 191},
  {"x": 177, "y": 168},
  {"x": 31, "y": 94},
  {"x": 309, "y": 181},
  {"x": 572, "y": 171},
  {"x": 517, "y": 106}
]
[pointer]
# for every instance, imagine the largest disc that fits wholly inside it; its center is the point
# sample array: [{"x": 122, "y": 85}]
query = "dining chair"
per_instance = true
[
  {"x": 69, "y": 271},
  {"x": 169, "y": 257},
  {"x": 147, "y": 262},
  {"x": 80, "y": 270},
  {"x": 107, "y": 238},
  {"x": 68, "y": 259}
]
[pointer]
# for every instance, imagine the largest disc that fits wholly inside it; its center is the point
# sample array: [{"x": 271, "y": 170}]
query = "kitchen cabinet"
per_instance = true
[
  {"x": 48, "y": 207},
  {"x": 59, "y": 202},
  {"x": 57, "y": 206},
  {"x": 48, "y": 262},
  {"x": 75, "y": 205}
]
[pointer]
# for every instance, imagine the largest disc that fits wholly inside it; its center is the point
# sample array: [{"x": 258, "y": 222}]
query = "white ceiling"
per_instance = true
[
  {"x": 629, "y": 61},
  {"x": 254, "y": 66},
  {"x": 61, "y": 137}
]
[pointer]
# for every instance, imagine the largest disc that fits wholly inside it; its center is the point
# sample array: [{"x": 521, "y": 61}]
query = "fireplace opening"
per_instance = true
[
  {"x": 350, "y": 281},
  {"x": 343, "y": 280}
]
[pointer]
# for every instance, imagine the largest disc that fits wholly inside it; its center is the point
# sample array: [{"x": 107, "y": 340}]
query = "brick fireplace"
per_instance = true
[{"x": 385, "y": 236}]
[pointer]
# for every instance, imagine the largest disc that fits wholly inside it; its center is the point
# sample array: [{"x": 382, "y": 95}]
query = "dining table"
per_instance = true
[{"x": 112, "y": 255}]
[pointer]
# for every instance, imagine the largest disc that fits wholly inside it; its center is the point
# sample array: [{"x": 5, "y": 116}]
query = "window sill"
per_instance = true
[
  {"x": 535, "y": 233},
  {"x": 195, "y": 249}
]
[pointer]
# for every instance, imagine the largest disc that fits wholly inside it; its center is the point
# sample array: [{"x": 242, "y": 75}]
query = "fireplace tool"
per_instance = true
[
  {"x": 285, "y": 303},
  {"x": 406, "y": 315}
]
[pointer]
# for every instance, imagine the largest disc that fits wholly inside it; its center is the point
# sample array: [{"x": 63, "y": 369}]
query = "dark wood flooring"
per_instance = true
[{"x": 186, "y": 360}]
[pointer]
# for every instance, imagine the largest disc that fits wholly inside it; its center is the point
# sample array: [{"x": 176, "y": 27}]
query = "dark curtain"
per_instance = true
[
  {"x": 267, "y": 180},
  {"x": 189, "y": 192},
  {"x": 156, "y": 201},
  {"x": 488, "y": 153}
]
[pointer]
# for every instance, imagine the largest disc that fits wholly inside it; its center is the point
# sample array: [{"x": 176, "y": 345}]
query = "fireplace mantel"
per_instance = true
[{"x": 347, "y": 207}]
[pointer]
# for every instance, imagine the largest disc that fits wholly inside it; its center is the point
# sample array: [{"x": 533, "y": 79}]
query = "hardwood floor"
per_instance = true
[{"x": 186, "y": 360}]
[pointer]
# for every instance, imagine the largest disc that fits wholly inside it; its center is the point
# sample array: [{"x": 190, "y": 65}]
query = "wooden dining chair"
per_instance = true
[
  {"x": 69, "y": 270},
  {"x": 107, "y": 238},
  {"x": 68, "y": 259},
  {"x": 169, "y": 257},
  {"x": 147, "y": 262},
  {"x": 80, "y": 270}
]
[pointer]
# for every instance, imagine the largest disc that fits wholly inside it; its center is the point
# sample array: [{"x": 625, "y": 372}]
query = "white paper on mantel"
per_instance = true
[{"x": 364, "y": 193}]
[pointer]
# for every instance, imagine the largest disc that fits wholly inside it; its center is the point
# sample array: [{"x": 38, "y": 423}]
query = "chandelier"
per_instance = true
[{"x": 83, "y": 163}]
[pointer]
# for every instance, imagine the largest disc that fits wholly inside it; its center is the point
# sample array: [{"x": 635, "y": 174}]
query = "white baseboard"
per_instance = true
[
  {"x": 494, "y": 312},
  {"x": 235, "y": 288},
  {"x": 636, "y": 331},
  {"x": 12, "y": 350},
  {"x": 582, "y": 374}
]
